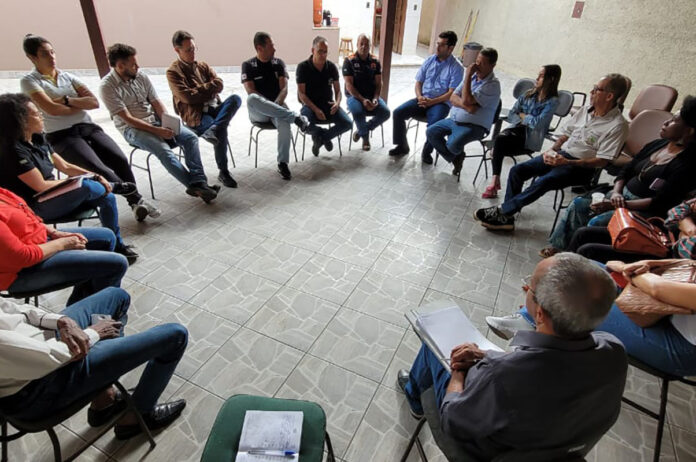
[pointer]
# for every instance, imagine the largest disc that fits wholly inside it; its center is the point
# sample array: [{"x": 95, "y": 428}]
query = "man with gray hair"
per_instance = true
[
  {"x": 590, "y": 139},
  {"x": 560, "y": 385}
]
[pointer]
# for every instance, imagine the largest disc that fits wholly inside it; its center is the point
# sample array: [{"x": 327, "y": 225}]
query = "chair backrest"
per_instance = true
[
  {"x": 565, "y": 102},
  {"x": 522, "y": 86},
  {"x": 660, "y": 97},
  {"x": 620, "y": 102},
  {"x": 644, "y": 128}
]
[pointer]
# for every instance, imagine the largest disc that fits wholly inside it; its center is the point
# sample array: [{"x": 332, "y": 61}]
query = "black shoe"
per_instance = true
[
  {"x": 427, "y": 158},
  {"x": 225, "y": 178},
  {"x": 402, "y": 380},
  {"x": 328, "y": 145},
  {"x": 356, "y": 136},
  {"x": 210, "y": 135},
  {"x": 128, "y": 252},
  {"x": 284, "y": 171},
  {"x": 399, "y": 150},
  {"x": 316, "y": 145},
  {"x": 215, "y": 187},
  {"x": 98, "y": 417},
  {"x": 161, "y": 416},
  {"x": 493, "y": 218},
  {"x": 124, "y": 188},
  {"x": 203, "y": 191},
  {"x": 366, "y": 144},
  {"x": 457, "y": 163},
  {"x": 302, "y": 122}
]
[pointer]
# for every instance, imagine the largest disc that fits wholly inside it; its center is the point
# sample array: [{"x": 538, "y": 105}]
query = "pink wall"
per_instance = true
[{"x": 223, "y": 29}]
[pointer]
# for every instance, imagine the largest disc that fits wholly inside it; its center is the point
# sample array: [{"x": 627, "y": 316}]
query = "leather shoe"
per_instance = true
[
  {"x": 203, "y": 191},
  {"x": 128, "y": 252},
  {"x": 161, "y": 416},
  {"x": 399, "y": 150},
  {"x": 98, "y": 417},
  {"x": 316, "y": 145},
  {"x": 427, "y": 158},
  {"x": 457, "y": 162},
  {"x": 225, "y": 178}
]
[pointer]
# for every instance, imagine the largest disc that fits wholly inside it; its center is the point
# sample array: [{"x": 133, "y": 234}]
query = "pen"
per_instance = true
[{"x": 271, "y": 452}]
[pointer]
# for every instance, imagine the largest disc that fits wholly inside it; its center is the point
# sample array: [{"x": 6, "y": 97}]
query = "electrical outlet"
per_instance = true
[
  {"x": 367, "y": 5},
  {"x": 415, "y": 7},
  {"x": 577, "y": 10}
]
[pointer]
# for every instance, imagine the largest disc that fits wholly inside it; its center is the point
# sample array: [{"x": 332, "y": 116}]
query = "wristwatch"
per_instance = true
[{"x": 66, "y": 101}]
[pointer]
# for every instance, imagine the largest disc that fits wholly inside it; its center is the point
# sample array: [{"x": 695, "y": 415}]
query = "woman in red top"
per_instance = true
[{"x": 34, "y": 256}]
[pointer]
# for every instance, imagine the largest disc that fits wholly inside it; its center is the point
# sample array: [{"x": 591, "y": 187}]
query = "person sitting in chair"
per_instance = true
[
  {"x": 48, "y": 361},
  {"x": 474, "y": 103},
  {"x": 589, "y": 140},
  {"x": 559, "y": 386}
]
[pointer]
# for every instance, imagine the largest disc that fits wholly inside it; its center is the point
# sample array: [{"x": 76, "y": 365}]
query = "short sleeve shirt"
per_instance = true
[
  {"x": 486, "y": 92},
  {"x": 136, "y": 95},
  {"x": 363, "y": 73},
  {"x": 65, "y": 84},
  {"x": 439, "y": 76},
  {"x": 318, "y": 83},
  {"x": 265, "y": 76},
  {"x": 23, "y": 158},
  {"x": 591, "y": 136}
]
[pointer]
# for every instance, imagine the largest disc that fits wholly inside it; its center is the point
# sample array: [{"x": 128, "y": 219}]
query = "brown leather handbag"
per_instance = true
[
  {"x": 632, "y": 233},
  {"x": 645, "y": 310}
]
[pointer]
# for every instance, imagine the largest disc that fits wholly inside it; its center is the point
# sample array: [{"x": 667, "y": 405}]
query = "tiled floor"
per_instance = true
[{"x": 298, "y": 289}]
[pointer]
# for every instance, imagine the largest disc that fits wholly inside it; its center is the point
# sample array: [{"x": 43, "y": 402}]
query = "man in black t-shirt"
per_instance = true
[
  {"x": 363, "y": 75},
  {"x": 266, "y": 82},
  {"x": 320, "y": 91}
]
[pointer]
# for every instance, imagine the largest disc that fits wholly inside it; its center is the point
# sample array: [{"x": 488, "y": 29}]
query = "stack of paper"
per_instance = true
[{"x": 270, "y": 436}]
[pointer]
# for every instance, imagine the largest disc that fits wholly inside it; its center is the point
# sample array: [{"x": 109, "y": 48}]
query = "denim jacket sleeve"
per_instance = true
[
  {"x": 513, "y": 117},
  {"x": 543, "y": 119}
]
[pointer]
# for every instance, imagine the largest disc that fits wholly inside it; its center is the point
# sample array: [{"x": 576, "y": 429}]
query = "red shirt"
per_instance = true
[{"x": 21, "y": 232}]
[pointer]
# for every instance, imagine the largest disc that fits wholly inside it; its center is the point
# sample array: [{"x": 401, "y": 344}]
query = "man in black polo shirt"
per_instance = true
[
  {"x": 320, "y": 92},
  {"x": 363, "y": 75},
  {"x": 265, "y": 80}
]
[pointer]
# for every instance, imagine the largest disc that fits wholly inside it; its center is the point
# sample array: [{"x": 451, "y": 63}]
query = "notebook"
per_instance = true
[
  {"x": 65, "y": 186},
  {"x": 270, "y": 436}
]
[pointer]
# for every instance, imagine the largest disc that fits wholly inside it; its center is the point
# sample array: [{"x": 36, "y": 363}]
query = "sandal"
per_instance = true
[
  {"x": 549, "y": 251},
  {"x": 491, "y": 192}
]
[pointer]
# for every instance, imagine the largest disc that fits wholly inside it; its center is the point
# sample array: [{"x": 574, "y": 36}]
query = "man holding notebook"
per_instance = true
[{"x": 559, "y": 386}]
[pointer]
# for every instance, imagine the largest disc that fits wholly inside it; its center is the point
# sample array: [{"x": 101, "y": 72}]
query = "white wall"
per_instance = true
[
  {"x": 413, "y": 15},
  {"x": 355, "y": 16}
]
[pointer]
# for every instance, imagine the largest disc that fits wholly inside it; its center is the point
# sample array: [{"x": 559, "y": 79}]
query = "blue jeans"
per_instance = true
[
  {"x": 262, "y": 110},
  {"x": 219, "y": 116},
  {"x": 548, "y": 179},
  {"x": 340, "y": 120},
  {"x": 411, "y": 109},
  {"x": 90, "y": 270},
  {"x": 426, "y": 372},
  {"x": 457, "y": 137},
  {"x": 91, "y": 195},
  {"x": 380, "y": 114},
  {"x": 161, "y": 347},
  {"x": 156, "y": 145},
  {"x": 660, "y": 346}
]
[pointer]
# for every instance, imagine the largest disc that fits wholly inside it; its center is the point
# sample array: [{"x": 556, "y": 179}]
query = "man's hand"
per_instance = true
[
  {"x": 74, "y": 337},
  {"x": 104, "y": 183},
  {"x": 464, "y": 356},
  {"x": 369, "y": 105},
  {"x": 425, "y": 102},
  {"x": 164, "y": 133},
  {"x": 319, "y": 114},
  {"x": 59, "y": 234},
  {"x": 549, "y": 157},
  {"x": 108, "y": 328},
  {"x": 617, "y": 200},
  {"x": 471, "y": 69},
  {"x": 603, "y": 206},
  {"x": 634, "y": 269},
  {"x": 70, "y": 243},
  {"x": 334, "y": 107}
]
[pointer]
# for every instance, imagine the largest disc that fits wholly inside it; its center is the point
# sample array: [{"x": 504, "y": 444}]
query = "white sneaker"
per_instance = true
[
  {"x": 144, "y": 208},
  {"x": 506, "y": 327}
]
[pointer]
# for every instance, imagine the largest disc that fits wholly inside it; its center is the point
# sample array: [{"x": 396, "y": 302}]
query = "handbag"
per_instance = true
[
  {"x": 643, "y": 309},
  {"x": 633, "y": 233}
]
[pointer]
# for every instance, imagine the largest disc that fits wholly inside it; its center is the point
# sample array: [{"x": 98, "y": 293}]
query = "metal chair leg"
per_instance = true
[
  {"x": 350, "y": 138},
  {"x": 256, "y": 150},
  {"x": 229, "y": 149},
  {"x": 131, "y": 405},
  {"x": 382, "y": 128},
  {"x": 558, "y": 209},
  {"x": 3, "y": 441},
  {"x": 661, "y": 419},
  {"x": 56, "y": 445},
  {"x": 329, "y": 448},
  {"x": 149, "y": 175},
  {"x": 251, "y": 137},
  {"x": 413, "y": 439}
]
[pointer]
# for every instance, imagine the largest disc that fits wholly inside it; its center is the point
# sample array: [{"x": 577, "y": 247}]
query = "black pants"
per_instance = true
[
  {"x": 594, "y": 242},
  {"x": 509, "y": 142},
  {"x": 87, "y": 146}
]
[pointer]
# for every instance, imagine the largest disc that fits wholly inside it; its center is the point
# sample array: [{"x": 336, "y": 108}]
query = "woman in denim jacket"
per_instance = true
[{"x": 529, "y": 118}]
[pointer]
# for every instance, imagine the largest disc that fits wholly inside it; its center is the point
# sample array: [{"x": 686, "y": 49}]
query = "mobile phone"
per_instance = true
[{"x": 100, "y": 317}]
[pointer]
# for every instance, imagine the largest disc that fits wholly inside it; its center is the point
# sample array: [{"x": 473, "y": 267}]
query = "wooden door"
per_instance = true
[{"x": 399, "y": 25}]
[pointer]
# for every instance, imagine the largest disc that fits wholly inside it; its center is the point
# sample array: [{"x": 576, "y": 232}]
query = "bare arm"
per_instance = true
[
  {"x": 419, "y": 90},
  {"x": 35, "y": 180},
  {"x": 676, "y": 293},
  {"x": 458, "y": 101},
  {"x": 352, "y": 90},
  {"x": 378, "y": 86},
  {"x": 51, "y": 107},
  {"x": 66, "y": 167},
  {"x": 559, "y": 143},
  {"x": 283, "y": 84},
  {"x": 337, "y": 92},
  {"x": 442, "y": 98},
  {"x": 467, "y": 95},
  {"x": 138, "y": 124},
  {"x": 301, "y": 93},
  {"x": 250, "y": 87}
]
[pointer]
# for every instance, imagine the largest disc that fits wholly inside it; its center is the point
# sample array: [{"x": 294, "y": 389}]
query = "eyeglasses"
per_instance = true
[
  {"x": 527, "y": 284},
  {"x": 596, "y": 88},
  {"x": 189, "y": 49}
]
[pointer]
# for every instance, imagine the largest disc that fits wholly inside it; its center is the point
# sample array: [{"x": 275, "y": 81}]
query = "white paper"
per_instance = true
[
  {"x": 270, "y": 430},
  {"x": 171, "y": 122}
]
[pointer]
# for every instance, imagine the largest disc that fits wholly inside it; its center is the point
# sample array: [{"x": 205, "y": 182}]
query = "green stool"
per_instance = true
[{"x": 223, "y": 441}]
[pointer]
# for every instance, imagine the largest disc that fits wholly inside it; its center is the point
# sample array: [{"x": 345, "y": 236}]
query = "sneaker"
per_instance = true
[
  {"x": 316, "y": 145},
  {"x": 284, "y": 171},
  {"x": 402, "y": 378},
  {"x": 494, "y": 218},
  {"x": 506, "y": 327},
  {"x": 302, "y": 122},
  {"x": 457, "y": 162},
  {"x": 139, "y": 210},
  {"x": 161, "y": 416},
  {"x": 152, "y": 210},
  {"x": 225, "y": 178},
  {"x": 210, "y": 136},
  {"x": 356, "y": 136},
  {"x": 427, "y": 158},
  {"x": 124, "y": 188},
  {"x": 203, "y": 191},
  {"x": 328, "y": 145},
  {"x": 128, "y": 252},
  {"x": 399, "y": 150},
  {"x": 366, "y": 144}
]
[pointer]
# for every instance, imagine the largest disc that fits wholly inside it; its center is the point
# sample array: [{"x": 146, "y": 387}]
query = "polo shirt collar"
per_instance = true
[
  {"x": 489, "y": 77},
  {"x": 311, "y": 63},
  {"x": 535, "y": 339},
  {"x": 613, "y": 112}
]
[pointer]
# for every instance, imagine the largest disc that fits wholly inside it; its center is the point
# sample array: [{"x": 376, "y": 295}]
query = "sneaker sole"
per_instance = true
[
  {"x": 499, "y": 333},
  {"x": 497, "y": 227},
  {"x": 140, "y": 213}
]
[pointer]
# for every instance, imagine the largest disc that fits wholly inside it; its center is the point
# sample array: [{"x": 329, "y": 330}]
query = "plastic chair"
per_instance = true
[
  {"x": 261, "y": 126},
  {"x": 521, "y": 86},
  {"x": 565, "y": 103},
  {"x": 46, "y": 425},
  {"x": 79, "y": 216},
  {"x": 660, "y": 97},
  {"x": 665, "y": 379},
  {"x": 223, "y": 441}
]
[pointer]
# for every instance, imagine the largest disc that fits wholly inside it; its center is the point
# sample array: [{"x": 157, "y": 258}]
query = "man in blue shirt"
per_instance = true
[
  {"x": 436, "y": 80},
  {"x": 474, "y": 103}
]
